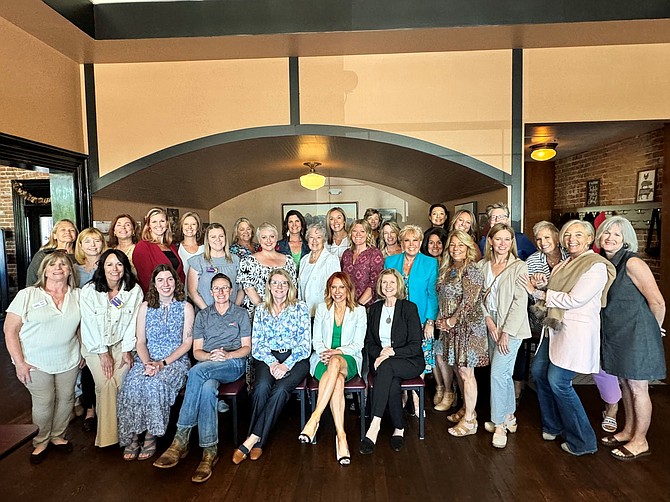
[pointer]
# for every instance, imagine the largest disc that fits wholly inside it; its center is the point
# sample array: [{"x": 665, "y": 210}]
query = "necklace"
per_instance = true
[{"x": 388, "y": 314}]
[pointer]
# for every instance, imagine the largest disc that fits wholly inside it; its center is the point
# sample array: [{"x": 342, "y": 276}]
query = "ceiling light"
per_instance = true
[
  {"x": 312, "y": 181},
  {"x": 543, "y": 151}
]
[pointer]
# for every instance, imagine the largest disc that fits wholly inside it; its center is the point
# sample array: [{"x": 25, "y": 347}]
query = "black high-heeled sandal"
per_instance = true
[{"x": 344, "y": 459}]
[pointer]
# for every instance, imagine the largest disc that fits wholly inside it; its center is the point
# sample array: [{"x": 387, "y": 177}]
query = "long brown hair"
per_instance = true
[
  {"x": 152, "y": 297},
  {"x": 113, "y": 239},
  {"x": 348, "y": 284}
]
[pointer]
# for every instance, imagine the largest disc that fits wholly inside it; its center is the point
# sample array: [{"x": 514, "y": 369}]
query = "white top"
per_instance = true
[
  {"x": 313, "y": 276},
  {"x": 48, "y": 336},
  {"x": 185, "y": 256},
  {"x": 490, "y": 282},
  {"x": 337, "y": 250},
  {"x": 385, "y": 325},
  {"x": 105, "y": 323}
]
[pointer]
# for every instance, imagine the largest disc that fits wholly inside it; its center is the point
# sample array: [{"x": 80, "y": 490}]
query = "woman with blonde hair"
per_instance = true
[
  {"x": 363, "y": 262},
  {"x": 156, "y": 248},
  {"x": 337, "y": 241},
  {"x": 389, "y": 241},
  {"x": 243, "y": 239},
  {"x": 89, "y": 246},
  {"x": 190, "y": 238},
  {"x": 462, "y": 326},
  {"x": 63, "y": 236}
]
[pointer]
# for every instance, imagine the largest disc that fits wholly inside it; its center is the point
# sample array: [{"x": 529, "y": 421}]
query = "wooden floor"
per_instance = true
[{"x": 438, "y": 468}]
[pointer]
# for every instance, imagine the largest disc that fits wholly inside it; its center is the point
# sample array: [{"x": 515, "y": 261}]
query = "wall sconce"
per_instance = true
[
  {"x": 312, "y": 180},
  {"x": 543, "y": 151}
]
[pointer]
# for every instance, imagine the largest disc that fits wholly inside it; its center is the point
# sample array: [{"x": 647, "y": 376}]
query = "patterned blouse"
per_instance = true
[
  {"x": 253, "y": 274},
  {"x": 365, "y": 271},
  {"x": 289, "y": 330},
  {"x": 242, "y": 251}
]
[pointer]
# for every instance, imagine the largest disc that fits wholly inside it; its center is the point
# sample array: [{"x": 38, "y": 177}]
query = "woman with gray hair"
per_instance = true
[
  {"x": 315, "y": 268},
  {"x": 255, "y": 268},
  {"x": 632, "y": 348}
]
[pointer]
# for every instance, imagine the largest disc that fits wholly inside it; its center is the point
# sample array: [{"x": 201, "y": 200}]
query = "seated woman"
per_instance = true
[
  {"x": 393, "y": 344},
  {"x": 164, "y": 326},
  {"x": 109, "y": 307},
  {"x": 280, "y": 349},
  {"x": 41, "y": 337},
  {"x": 221, "y": 343},
  {"x": 339, "y": 333},
  {"x": 315, "y": 268}
]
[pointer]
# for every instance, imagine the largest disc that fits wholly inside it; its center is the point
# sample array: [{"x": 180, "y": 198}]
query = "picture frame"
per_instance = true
[
  {"x": 646, "y": 186},
  {"x": 470, "y": 206},
  {"x": 315, "y": 212},
  {"x": 593, "y": 192},
  {"x": 389, "y": 214}
]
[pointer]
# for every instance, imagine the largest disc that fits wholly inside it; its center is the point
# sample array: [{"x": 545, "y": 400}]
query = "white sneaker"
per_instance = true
[
  {"x": 222, "y": 407},
  {"x": 549, "y": 437}
]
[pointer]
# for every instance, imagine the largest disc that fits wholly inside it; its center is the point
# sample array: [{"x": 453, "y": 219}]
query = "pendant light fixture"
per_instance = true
[
  {"x": 312, "y": 180},
  {"x": 543, "y": 151}
]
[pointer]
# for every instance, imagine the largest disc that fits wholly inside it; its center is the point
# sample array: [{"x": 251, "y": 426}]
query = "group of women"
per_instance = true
[{"x": 333, "y": 302}]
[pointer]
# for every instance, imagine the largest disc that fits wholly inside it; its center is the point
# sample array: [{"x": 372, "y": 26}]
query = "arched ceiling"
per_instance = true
[{"x": 211, "y": 175}]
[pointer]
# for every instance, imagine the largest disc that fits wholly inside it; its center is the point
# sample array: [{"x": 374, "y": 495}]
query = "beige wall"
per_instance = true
[
  {"x": 460, "y": 100},
  {"x": 483, "y": 200},
  {"x": 40, "y": 91},
  {"x": 145, "y": 107},
  {"x": 107, "y": 209},
  {"x": 265, "y": 204}
]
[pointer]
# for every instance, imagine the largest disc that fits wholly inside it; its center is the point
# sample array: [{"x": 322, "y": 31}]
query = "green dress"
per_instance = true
[{"x": 352, "y": 370}]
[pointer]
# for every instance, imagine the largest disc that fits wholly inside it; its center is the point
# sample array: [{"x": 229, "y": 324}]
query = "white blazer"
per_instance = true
[
  {"x": 312, "y": 278},
  {"x": 354, "y": 326}
]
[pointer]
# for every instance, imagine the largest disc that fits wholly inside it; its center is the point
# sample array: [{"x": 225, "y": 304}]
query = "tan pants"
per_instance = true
[
  {"x": 53, "y": 399},
  {"x": 106, "y": 390}
]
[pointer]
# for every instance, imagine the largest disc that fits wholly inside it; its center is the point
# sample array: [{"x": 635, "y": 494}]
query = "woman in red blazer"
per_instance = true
[{"x": 155, "y": 248}]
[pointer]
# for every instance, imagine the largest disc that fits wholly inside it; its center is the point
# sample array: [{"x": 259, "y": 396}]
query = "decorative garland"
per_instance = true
[{"x": 18, "y": 188}]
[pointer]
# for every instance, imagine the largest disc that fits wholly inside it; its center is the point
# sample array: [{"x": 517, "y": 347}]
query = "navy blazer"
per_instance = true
[
  {"x": 406, "y": 332},
  {"x": 284, "y": 248}
]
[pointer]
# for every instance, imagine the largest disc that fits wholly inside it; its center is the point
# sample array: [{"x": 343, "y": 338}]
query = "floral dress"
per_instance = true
[
  {"x": 253, "y": 274},
  {"x": 144, "y": 402},
  {"x": 460, "y": 295}
]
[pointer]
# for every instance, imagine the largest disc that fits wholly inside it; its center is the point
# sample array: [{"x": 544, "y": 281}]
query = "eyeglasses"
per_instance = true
[
  {"x": 216, "y": 289},
  {"x": 498, "y": 217},
  {"x": 279, "y": 284}
]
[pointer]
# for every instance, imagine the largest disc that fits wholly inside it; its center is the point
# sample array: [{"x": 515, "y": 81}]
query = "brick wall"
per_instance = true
[
  {"x": 7, "y": 174},
  {"x": 616, "y": 166}
]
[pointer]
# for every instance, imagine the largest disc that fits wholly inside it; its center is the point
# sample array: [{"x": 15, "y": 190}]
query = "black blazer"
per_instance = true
[{"x": 406, "y": 333}]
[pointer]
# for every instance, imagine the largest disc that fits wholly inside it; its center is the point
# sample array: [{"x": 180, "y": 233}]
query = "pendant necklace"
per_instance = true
[{"x": 388, "y": 314}]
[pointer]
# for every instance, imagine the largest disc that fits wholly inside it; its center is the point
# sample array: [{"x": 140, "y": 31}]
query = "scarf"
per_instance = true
[{"x": 564, "y": 280}]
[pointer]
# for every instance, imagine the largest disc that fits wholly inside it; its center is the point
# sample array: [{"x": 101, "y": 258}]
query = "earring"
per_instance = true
[{"x": 625, "y": 245}]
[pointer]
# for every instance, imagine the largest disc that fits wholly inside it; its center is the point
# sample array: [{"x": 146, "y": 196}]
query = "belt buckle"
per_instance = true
[{"x": 282, "y": 351}]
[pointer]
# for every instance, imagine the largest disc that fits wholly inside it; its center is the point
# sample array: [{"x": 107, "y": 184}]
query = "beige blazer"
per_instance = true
[{"x": 511, "y": 300}]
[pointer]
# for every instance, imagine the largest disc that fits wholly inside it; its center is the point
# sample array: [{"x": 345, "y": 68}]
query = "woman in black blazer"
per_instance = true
[{"x": 393, "y": 344}]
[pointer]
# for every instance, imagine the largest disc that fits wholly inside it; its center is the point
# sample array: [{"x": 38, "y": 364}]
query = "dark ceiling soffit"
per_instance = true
[
  {"x": 78, "y": 12},
  {"x": 263, "y": 17},
  {"x": 299, "y": 130}
]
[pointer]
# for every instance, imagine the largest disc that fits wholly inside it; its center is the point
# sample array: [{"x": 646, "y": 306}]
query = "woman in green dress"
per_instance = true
[{"x": 338, "y": 336}]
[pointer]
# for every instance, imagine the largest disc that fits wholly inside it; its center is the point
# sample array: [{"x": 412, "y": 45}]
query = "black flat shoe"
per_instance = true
[
  {"x": 39, "y": 458},
  {"x": 63, "y": 448},
  {"x": 397, "y": 442},
  {"x": 367, "y": 446},
  {"x": 89, "y": 424}
]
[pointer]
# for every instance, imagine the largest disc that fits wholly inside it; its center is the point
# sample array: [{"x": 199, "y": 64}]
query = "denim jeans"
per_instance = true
[
  {"x": 560, "y": 408},
  {"x": 202, "y": 396},
  {"x": 503, "y": 401}
]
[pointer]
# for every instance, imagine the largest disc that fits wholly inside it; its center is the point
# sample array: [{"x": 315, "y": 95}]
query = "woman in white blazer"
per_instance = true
[
  {"x": 315, "y": 268},
  {"x": 338, "y": 337}
]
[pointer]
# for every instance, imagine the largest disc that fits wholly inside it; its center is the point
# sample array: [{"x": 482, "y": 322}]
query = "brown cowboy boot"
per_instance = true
[{"x": 204, "y": 470}]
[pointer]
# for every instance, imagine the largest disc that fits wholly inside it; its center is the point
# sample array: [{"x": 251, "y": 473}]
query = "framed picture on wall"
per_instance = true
[
  {"x": 316, "y": 212},
  {"x": 389, "y": 214},
  {"x": 470, "y": 206},
  {"x": 646, "y": 186},
  {"x": 593, "y": 192}
]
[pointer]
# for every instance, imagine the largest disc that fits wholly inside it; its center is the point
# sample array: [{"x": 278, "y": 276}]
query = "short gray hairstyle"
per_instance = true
[
  {"x": 545, "y": 225},
  {"x": 627, "y": 231},
  {"x": 588, "y": 228},
  {"x": 317, "y": 227},
  {"x": 266, "y": 226},
  {"x": 497, "y": 205}
]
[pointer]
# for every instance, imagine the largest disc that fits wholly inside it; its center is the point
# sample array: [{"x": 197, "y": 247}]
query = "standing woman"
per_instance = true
[
  {"x": 41, "y": 337},
  {"x": 363, "y": 262},
  {"x": 109, "y": 307},
  {"x": 338, "y": 235},
  {"x": 339, "y": 334},
  {"x": 434, "y": 242},
  {"x": 460, "y": 292},
  {"x": 389, "y": 242},
  {"x": 164, "y": 337},
  {"x": 156, "y": 248},
  {"x": 123, "y": 236},
  {"x": 571, "y": 343},
  {"x": 506, "y": 311},
  {"x": 63, "y": 236},
  {"x": 190, "y": 230},
  {"x": 374, "y": 218},
  {"x": 280, "y": 347},
  {"x": 315, "y": 269},
  {"x": 216, "y": 259},
  {"x": 243, "y": 240},
  {"x": 90, "y": 245},
  {"x": 438, "y": 215},
  {"x": 393, "y": 344},
  {"x": 255, "y": 269},
  {"x": 632, "y": 347},
  {"x": 294, "y": 244},
  {"x": 465, "y": 220}
]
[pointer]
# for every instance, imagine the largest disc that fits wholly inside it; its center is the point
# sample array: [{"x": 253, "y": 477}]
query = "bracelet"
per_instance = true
[
  {"x": 430, "y": 322},
  {"x": 450, "y": 325},
  {"x": 538, "y": 294}
]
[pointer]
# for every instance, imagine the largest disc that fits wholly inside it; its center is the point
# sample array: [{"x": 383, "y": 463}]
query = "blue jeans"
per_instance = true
[
  {"x": 560, "y": 408},
  {"x": 202, "y": 396},
  {"x": 503, "y": 401}
]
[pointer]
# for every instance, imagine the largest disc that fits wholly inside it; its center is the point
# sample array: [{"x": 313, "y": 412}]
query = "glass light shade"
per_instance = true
[
  {"x": 312, "y": 181},
  {"x": 542, "y": 152}
]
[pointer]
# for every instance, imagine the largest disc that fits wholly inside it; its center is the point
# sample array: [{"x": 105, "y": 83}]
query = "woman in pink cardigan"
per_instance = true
[
  {"x": 571, "y": 336},
  {"x": 155, "y": 248}
]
